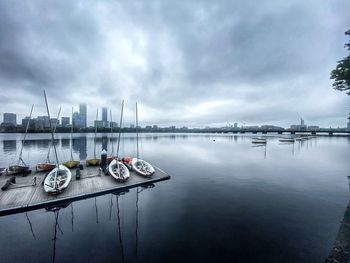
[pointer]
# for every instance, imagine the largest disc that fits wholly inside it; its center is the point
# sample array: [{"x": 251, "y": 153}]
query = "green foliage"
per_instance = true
[{"x": 341, "y": 74}]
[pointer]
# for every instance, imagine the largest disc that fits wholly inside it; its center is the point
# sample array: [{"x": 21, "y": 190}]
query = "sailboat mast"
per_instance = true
[
  {"x": 95, "y": 134},
  {"x": 110, "y": 123},
  {"x": 25, "y": 135},
  {"x": 71, "y": 139},
  {"x": 137, "y": 134},
  {"x": 120, "y": 127},
  {"x": 54, "y": 130},
  {"x": 52, "y": 136}
]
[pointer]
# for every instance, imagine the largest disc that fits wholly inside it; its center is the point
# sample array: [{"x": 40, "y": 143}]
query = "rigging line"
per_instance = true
[
  {"x": 137, "y": 135},
  {"x": 53, "y": 138},
  {"x": 25, "y": 135},
  {"x": 119, "y": 229},
  {"x": 120, "y": 127},
  {"x": 95, "y": 134},
  {"x": 72, "y": 214},
  {"x": 137, "y": 220},
  {"x": 31, "y": 226},
  {"x": 71, "y": 139},
  {"x": 96, "y": 210},
  {"x": 110, "y": 123},
  {"x": 48, "y": 152}
]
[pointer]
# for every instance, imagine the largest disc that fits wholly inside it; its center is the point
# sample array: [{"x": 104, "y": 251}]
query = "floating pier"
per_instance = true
[{"x": 28, "y": 191}]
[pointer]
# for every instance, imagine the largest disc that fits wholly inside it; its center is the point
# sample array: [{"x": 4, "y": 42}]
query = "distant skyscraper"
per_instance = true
[
  {"x": 65, "y": 121},
  {"x": 83, "y": 114},
  {"x": 104, "y": 117},
  {"x": 10, "y": 118},
  {"x": 77, "y": 121}
]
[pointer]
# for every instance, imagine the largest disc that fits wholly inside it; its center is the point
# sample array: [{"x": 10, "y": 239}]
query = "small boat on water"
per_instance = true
[
  {"x": 21, "y": 167},
  {"x": 57, "y": 180},
  {"x": 287, "y": 140},
  {"x": 259, "y": 140},
  {"x": 302, "y": 138},
  {"x": 140, "y": 166},
  {"x": 71, "y": 163},
  {"x": 94, "y": 161},
  {"x": 116, "y": 168}
]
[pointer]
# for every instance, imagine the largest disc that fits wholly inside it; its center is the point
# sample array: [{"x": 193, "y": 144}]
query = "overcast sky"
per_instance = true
[{"x": 192, "y": 63}]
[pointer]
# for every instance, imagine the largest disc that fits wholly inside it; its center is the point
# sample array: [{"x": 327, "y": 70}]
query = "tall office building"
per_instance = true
[
  {"x": 77, "y": 121},
  {"x": 10, "y": 118},
  {"x": 104, "y": 117},
  {"x": 83, "y": 114},
  {"x": 65, "y": 121}
]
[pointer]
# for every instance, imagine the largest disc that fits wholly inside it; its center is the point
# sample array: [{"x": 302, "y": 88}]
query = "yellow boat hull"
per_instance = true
[
  {"x": 93, "y": 162},
  {"x": 71, "y": 164}
]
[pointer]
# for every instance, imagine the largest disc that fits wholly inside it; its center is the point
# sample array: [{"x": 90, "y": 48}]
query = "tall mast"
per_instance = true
[
  {"x": 54, "y": 131},
  {"x": 110, "y": 123},
  {"x": 71, "y": 139},
  {"x": 120, "y": 127},
  {"x": 53, "y": 137},
  {"x": 137, "y": 134},
  {"x": 24, "y": 138},
  {"x": 95, "y": 134}
]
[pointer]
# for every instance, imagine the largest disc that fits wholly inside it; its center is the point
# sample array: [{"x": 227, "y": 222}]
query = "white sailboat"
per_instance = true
[
  {"x": 140, "y": 166},
  {"x": 116, "y": 168},
  {"x": 59, "y": 178}
]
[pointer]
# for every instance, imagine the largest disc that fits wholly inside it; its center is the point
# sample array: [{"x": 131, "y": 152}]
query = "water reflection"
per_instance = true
[
  {"x": 80, "y": 145},
  {"x": 9, "y": 146}
]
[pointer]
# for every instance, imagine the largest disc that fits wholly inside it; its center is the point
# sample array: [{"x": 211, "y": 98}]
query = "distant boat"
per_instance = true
[
  {"x": 94, "y": 161},
  {"x": 48, "y": 166},
  {"x": 116, "y": 168},
  {"x": 59, "y": 178},
  {"x": 140, "y": 166},
  {"x": 259, "y": 140},
  {"x": 290, "y": 140},
  {"x": 21, "y": 167},
  {"x": 302, "y": 138},
  {"x": 71, "y": 163}
]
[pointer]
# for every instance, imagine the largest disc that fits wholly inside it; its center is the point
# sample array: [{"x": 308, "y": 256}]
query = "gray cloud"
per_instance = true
[{"x": 188, "y": 63}]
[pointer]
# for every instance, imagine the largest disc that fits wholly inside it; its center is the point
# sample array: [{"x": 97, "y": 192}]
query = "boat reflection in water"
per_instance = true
[{"x": 115, "y": 213}]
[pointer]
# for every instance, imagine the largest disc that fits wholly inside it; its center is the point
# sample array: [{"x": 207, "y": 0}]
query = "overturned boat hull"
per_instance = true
[
  {"x": 93, "y": 162},
  {"x": 45, "y": 167},
  {"x": 71, "y": 164}
]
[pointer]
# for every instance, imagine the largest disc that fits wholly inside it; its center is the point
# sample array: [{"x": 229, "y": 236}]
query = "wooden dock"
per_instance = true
[{"x": 91, "y": 183}]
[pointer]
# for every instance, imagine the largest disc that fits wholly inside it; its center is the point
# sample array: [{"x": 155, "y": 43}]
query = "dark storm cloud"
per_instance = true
[{"x": 190, "y": 62}]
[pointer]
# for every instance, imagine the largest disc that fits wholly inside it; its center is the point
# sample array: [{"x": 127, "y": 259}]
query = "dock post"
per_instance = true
[{"x": 104, "y": 161}]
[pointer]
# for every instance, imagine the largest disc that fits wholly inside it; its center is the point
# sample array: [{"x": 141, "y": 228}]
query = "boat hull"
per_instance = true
[
  {"x": 121, "y": 175},
  {"x": 63, "y": 176},
  {"x": 71, "y": 164},
  {"x": 142, "y": 167},
  {"x": 45, "y": 167},
  {"x": 18, "y": 169},
  {"x": 93, "y": 162}
]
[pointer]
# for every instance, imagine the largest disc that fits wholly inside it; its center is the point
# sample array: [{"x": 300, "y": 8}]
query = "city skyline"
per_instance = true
[{"x": 208, "y": 63}]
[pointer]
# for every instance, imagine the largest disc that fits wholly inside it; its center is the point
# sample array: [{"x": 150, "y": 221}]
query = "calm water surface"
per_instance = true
[{"x": 226, "y": 201}]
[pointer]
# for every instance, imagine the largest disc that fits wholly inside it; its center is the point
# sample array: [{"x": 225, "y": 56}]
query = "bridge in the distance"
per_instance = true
[{"x": 278, "y": 131}]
